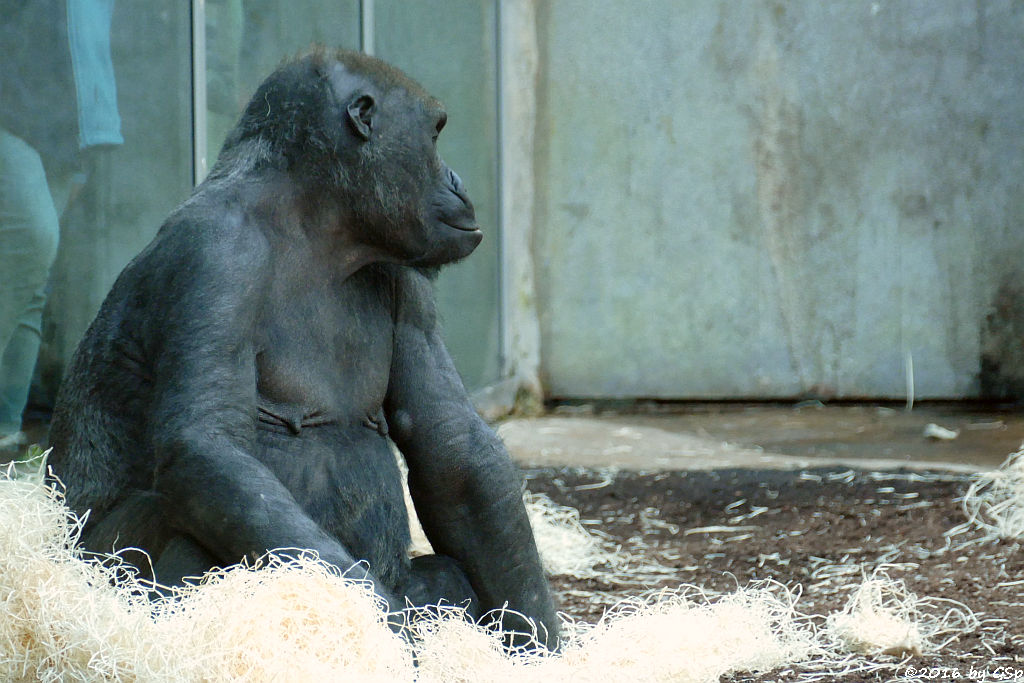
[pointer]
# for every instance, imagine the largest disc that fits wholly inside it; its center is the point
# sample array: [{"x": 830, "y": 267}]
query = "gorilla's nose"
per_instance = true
[{"x": 456, "y": 182}]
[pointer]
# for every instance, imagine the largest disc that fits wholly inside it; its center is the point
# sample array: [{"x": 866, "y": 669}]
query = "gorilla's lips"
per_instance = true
[{"x": 473, "y": 227}]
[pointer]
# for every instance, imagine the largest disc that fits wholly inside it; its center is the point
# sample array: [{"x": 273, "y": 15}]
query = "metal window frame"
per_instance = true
[
  {"x": 367, "y": 25},
  {"x": 200, "y": 164},
  {"x": 504, "y": 272}
]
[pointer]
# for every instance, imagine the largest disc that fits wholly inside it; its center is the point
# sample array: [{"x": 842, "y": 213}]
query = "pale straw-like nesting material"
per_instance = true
[
  {"x": 59, "y": 618},
  {"x": 675, "y": 635},
  {"x": 63, "y": 618},
  {"x": 882, "y": 616},
  {"x": 66, "y": 619},
  {"x": 566, "y": 547},
  {"x": 681, "y": 635},
  {"x": 994, "y": 503}
]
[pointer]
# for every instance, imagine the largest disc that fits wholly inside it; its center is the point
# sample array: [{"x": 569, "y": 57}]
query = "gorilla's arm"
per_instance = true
[
  {"x": 206, "y": 411},
  {"x": 466, "y": 489}
]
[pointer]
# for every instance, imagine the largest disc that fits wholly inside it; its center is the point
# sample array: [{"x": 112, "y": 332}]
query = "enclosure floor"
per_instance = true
[
  {"x": 708, "y": 436},
  {"x": 819, "y": 531},
  {"x": 716, "y": 435}
]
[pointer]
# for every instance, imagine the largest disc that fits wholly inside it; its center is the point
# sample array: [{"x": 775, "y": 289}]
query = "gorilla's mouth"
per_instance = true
[{"x": 464, "y": 228}]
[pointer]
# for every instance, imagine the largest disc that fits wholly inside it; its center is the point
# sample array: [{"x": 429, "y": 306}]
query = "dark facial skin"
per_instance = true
[
  {"x": 238, "y": 388},
  {"x": 436, "y": 222}
]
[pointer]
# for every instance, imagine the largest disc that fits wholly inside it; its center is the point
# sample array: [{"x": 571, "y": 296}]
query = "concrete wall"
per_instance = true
[{"x": 773, "y": 199}]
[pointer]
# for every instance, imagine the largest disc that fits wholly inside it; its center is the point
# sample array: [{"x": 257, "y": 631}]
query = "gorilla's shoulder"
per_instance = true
[{"x": 197, "y": 241}]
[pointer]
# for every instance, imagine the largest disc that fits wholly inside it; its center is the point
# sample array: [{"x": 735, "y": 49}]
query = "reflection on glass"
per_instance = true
[
  {"x": 114, "y": 195},
  {"x": 247, "y": 39},
  {"x": 58, "y": 107}
]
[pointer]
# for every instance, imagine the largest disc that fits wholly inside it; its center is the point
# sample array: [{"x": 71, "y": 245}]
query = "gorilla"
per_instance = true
[{"x": 237, "y": 390}]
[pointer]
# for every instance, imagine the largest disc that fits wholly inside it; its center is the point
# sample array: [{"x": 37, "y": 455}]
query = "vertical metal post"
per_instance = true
[
  {"x": 200, "y": 165},
  {"x": 366, "y": 26},
  {"x": 504, "y": 286}
]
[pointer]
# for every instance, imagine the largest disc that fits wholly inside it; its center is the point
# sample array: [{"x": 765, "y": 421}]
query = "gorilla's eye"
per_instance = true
[{"x": 441, "y": 120}]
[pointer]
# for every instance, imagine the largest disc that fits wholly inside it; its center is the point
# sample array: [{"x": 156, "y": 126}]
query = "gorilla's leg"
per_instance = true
[
  {"x": 182, "y": 558},
  {"x": 438, "y": 578},
  {"x": 138, "y": 522}
]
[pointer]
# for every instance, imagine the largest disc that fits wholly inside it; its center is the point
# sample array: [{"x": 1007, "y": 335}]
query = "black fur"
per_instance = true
[{"x": 234, "y": 392}]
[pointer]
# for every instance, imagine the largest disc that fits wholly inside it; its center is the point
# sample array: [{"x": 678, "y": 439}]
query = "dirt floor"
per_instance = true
[{"x": 818, "y": 528}]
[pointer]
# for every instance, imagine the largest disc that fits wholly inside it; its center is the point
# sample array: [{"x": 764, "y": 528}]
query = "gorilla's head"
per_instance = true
[{"x": 358, "y": 133}]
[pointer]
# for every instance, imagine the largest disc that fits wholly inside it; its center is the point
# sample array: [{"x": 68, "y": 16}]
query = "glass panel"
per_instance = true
[
  {"x": 449, "y": 46},
  {"x": 246, "y": 40},
  {"x": 101, "y": 97}
]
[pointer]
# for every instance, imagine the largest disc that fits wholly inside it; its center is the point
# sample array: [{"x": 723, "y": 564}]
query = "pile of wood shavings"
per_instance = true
[
  {"x": 63, "y": 618},
  {"x": 674, "y": 635},
  {"x": 995, "y": 502},
  {"x": 882, "y": 616},
  {"x": 66, "y": 619}
]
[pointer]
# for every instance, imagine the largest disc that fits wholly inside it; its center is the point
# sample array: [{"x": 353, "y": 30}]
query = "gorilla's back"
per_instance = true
[{"x": 99, "y": 432}]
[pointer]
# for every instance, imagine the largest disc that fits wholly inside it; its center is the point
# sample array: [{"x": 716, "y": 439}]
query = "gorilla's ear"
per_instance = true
[{"x": 360, "y": 114}]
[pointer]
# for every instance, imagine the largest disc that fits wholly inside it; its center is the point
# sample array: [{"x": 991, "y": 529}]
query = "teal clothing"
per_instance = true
[
  {"x": 29, "y": 231},
  {"x": 89, "y": 42},
  {"x": 57, "y": 90}
]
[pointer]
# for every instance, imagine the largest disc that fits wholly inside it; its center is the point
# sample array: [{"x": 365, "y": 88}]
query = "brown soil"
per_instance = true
[{"x": 811, "y": 519}]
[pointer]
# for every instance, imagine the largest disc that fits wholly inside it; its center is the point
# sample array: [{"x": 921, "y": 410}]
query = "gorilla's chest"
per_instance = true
[{"x": 324, "y": 352}]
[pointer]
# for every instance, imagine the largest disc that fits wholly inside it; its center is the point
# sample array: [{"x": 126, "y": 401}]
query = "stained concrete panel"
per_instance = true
[{"x": 759, "y": 199}]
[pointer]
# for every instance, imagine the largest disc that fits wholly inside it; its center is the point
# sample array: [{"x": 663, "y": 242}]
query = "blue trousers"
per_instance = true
[{"x": 29, "y": 232}]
